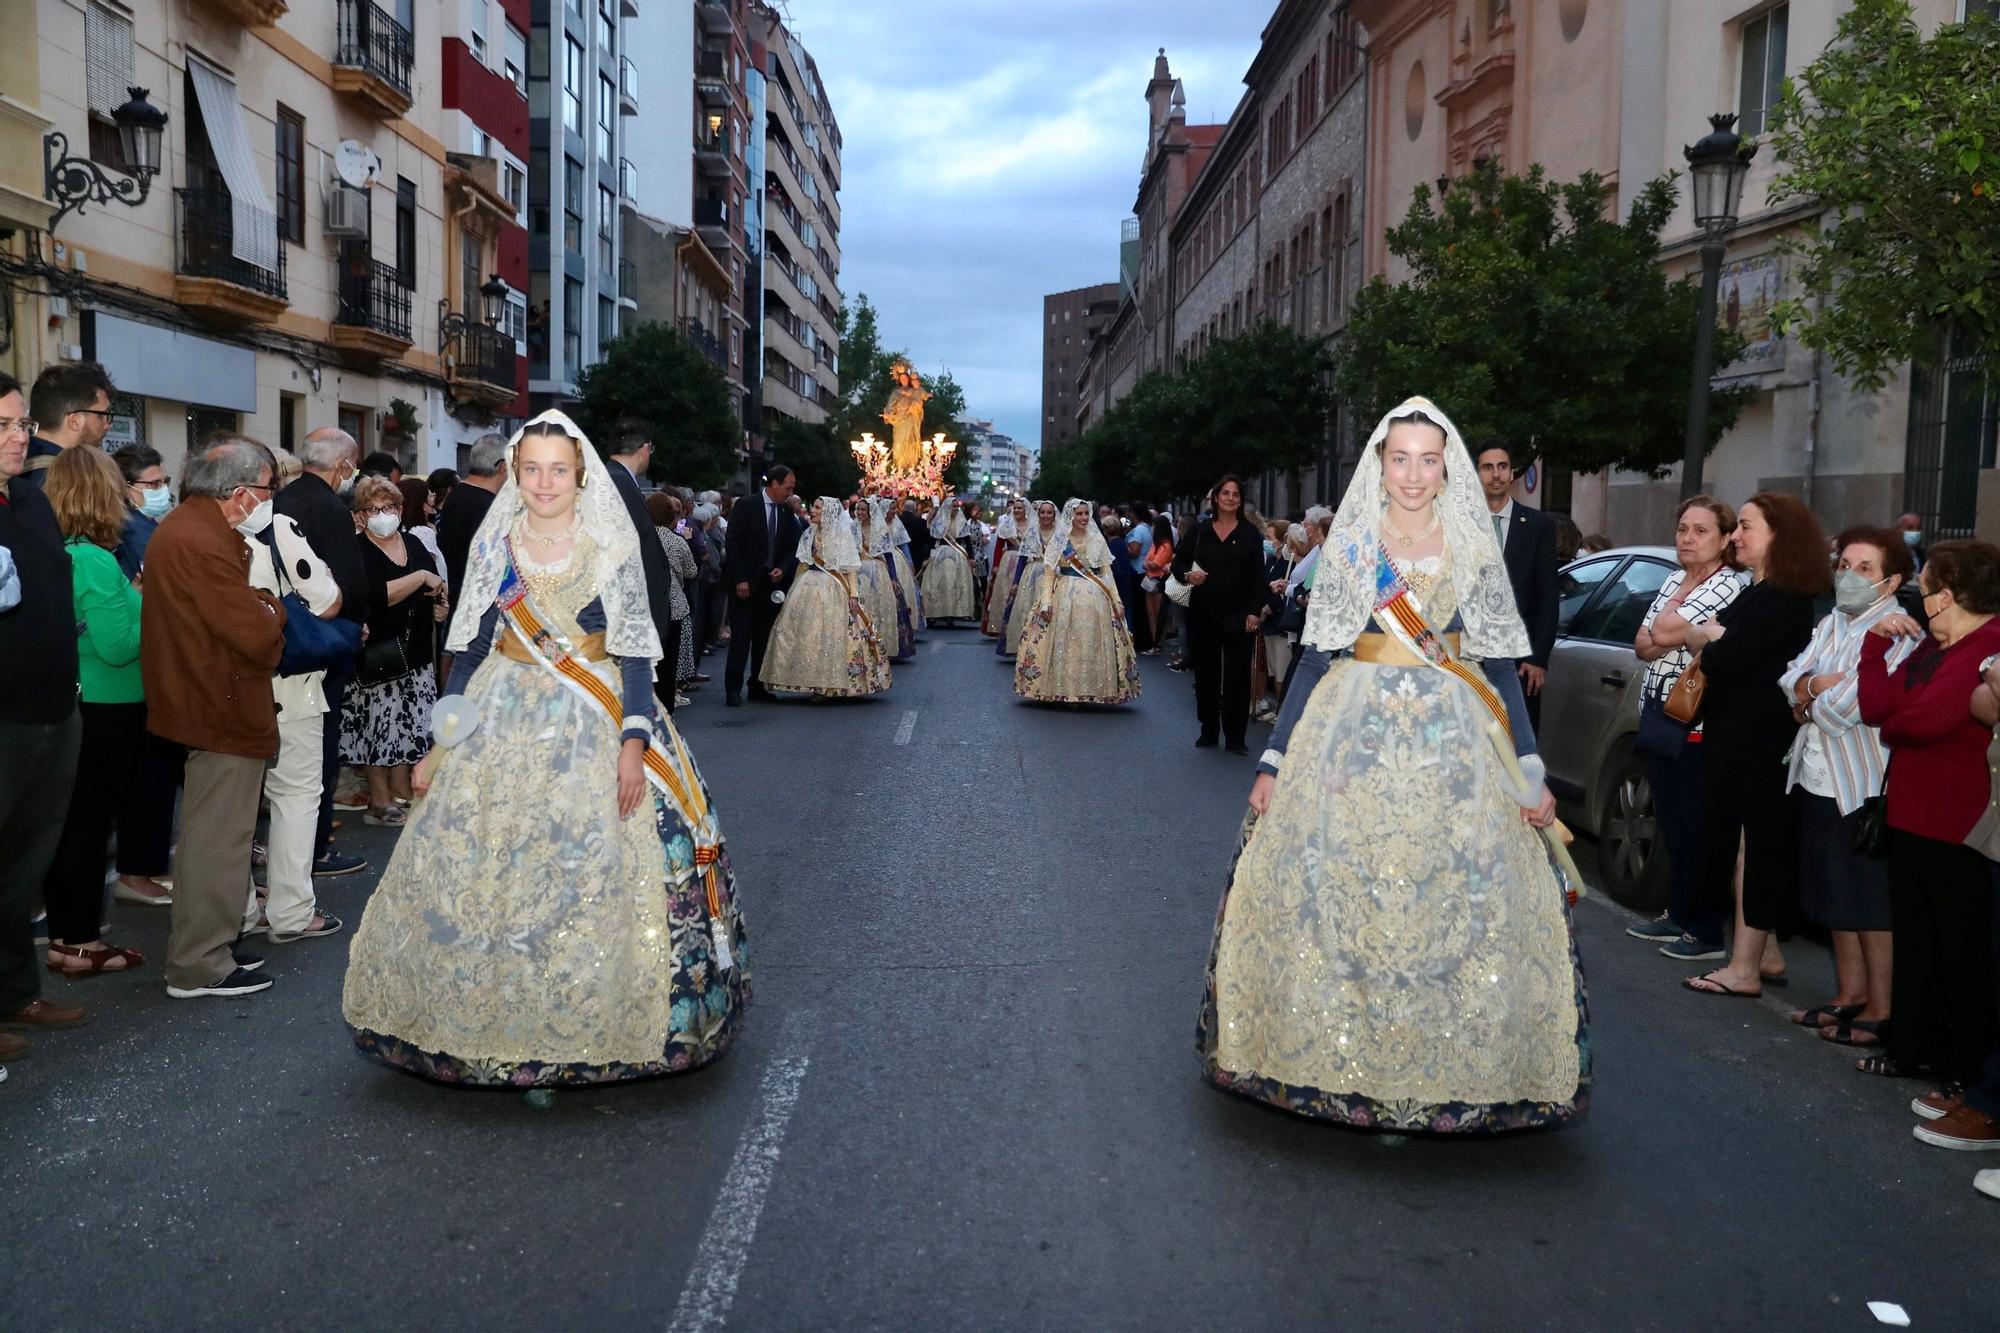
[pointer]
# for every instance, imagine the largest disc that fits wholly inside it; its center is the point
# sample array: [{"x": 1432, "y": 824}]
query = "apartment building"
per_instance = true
[
  {"x": 1070, "y": 320},
  {"x": 995, "y": 460},
  {"x": 798, "y": 177},
  {"x": 677, "y": 280},
  {"x": 279, "y": 266}
]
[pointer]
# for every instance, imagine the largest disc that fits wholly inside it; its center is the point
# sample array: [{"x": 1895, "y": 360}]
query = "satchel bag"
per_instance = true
[
  {"x": 311, "y": 644},
  {"x": 1871, "y": 828},
  {"x": 1684, "y": 702},
  {"x": 385, "y": 660}
]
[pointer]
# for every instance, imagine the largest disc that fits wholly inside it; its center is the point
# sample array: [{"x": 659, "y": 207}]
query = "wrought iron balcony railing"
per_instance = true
[{"x": 206, "y": 233}]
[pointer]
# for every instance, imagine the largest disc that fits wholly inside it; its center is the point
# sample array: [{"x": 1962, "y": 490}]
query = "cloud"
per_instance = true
[{"x": 990, "y": 151}]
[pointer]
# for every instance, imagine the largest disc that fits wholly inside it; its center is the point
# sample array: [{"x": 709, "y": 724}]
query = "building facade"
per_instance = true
[
  {"x": 1069, "y": 321},
  {"x": 678, "y": 281},
  {"x": 799, "y": 331},
  {"x": 995, "y": 461},
  {"x": 285, "y": 268}
]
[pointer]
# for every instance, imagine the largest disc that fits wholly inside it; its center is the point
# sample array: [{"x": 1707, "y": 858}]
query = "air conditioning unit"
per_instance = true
[{"x": 346, "y": 210}]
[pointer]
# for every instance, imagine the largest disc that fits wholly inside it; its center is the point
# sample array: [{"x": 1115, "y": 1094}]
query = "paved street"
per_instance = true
[{"x": 967, "y": 1098}]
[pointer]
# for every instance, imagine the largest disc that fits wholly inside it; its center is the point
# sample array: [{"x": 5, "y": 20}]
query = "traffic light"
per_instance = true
[{"x": 987, "y": 479}]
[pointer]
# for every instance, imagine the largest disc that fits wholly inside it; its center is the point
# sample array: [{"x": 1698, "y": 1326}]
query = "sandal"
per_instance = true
[
  {"x": 385, "y": 816},
  {"x": 1715, "y": 987},
  {"x": 100, "y": 960},
  {"x": 1826, "y": 1015},
  {"x": 1842, "y": 1034},
  {"x": 1888, "y": 1066}
]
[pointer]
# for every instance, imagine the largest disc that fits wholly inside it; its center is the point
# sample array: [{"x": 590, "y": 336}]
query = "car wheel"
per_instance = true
[{"x": 1632, "y": 852}]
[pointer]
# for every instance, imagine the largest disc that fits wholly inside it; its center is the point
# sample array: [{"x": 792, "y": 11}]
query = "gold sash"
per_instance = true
[
  {"x": 590, "y": 648},
  {"x": 1387, "y": 650}
]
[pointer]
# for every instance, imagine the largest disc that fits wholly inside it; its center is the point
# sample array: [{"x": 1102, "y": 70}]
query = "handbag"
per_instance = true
[
  {"x": 1179, "y": 592},
  {"x": 1660, "y": 736},
  {"x": 384, "y": 660},
  {"x": 311, "y": 644},
  {"x": 1684, "y": 702},
  {"x": 1871, "y": 828}
]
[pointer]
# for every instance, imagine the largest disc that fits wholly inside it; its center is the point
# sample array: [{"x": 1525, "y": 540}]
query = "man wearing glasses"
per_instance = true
[{"x": 71, "y": 406}]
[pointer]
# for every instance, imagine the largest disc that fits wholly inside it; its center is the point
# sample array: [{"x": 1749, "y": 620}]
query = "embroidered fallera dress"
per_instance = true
[
  {"x": 1026, "y": 592},
  {"x": 948, "y": 585},
  {"x": 824, "y": 642},
  {"x": 1394, "y": 949},
  {"x": 1075, "y": 648},
  {"x": 523, "y": 934}
]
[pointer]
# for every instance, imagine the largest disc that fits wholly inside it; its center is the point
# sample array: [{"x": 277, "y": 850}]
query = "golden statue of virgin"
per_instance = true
[{"x": 905, "y": 415}]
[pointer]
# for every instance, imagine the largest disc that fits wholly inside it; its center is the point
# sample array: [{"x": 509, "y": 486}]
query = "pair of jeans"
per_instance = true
[
  {"x": 37, "y": 770},
  {"x": 1677, "y": 806},
  {"x": 146, "y": 819}
]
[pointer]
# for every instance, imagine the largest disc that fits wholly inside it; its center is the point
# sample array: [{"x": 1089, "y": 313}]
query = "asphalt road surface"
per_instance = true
[{"x": 967, "y": 1098}]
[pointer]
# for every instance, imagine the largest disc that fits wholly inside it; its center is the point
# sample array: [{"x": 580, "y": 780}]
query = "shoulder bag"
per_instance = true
[
  {"x": 311, "y": 644},
  {"x": 1684, "y": 701}
]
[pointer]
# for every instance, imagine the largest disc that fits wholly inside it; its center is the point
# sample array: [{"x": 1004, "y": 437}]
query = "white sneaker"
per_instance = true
[{"x": 1987, "y": 1182}]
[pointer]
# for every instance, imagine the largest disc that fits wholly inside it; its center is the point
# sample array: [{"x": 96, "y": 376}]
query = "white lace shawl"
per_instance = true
[
  {"x": 621, "y": 578},
  {"x": 1343, "y": 596},
  {"x": 1091, "y": 550},
  {"x": 830, "y": 541}
]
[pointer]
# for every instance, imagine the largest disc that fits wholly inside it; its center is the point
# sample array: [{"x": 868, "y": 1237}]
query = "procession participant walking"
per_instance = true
[
  {"x": 1076, "y": 648},
  {"x": 561, "y": 910},
  {"x": 1395, "y": 948},
  {"x": 949, "y": 594},
  {"x": 1027, "y": 593},
  {"x": 824, "y": 643},
  {"x": 1223, "y": 565},
  {"x": 757, "y": 571}
]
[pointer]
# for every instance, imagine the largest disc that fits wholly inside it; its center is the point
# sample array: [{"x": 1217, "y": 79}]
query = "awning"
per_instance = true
[
  {"x": 154, "y": 361},
  {"x": 254, "y": 234}
]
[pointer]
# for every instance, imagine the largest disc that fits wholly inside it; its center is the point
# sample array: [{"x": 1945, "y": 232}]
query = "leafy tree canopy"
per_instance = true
[
  {"x": 1897, "y": 137},
  {"x": 1531, "y": 316},
  {"x": 657, "y": 375}
]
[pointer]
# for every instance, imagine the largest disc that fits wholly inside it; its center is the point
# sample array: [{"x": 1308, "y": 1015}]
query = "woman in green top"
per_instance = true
[{"x": 87, "y": 493}]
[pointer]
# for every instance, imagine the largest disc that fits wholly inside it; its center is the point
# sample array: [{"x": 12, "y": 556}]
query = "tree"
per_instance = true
[
  {"x": 657, "y": 375},
  {"x": 822, "y": 460},
  {"x": 1530, "y": 316},
  {"x": 1897, "y": 139},
  {"x": 1062, "y": 471}
]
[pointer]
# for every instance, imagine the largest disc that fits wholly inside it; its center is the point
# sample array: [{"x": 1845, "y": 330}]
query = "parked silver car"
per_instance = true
[{"x": 1590, "y": 714}]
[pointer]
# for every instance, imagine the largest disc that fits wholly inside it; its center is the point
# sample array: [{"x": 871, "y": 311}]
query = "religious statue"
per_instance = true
[{"x": 905, "y": 415}]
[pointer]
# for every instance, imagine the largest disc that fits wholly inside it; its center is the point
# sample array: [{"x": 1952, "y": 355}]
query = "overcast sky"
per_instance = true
[{"x": 992, "y": 147}]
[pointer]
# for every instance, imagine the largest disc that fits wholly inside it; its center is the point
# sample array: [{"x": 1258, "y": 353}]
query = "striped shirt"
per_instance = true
[
  {"x": 1709, "y": 597},
  {"x": 1837, "y": 755}
]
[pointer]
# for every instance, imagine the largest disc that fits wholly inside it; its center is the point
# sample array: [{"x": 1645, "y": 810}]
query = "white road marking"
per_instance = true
[
  {"x": 907, "y": 727},
  {"x": 732, "y": 1224}
]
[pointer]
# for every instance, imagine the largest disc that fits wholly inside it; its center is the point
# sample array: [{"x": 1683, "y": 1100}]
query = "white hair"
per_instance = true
[{"x": 327, "y": 447}]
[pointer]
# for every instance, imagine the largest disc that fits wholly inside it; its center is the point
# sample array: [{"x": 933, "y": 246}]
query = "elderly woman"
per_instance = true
[
  {"x": 1836, "y": 769},
  {"x": 665, "y": 511},
  {"x": 385, "y": 719},
  {"x": 1940, "y": 897},
  {"x": 1706, "y": 582}
]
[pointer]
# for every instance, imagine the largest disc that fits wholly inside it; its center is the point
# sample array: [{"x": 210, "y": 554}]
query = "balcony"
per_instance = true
[
  {"x": 210, "y": 279},
  {"x": 373, "y": 322},
  {"x": 713, "y": 16},
  {"x": 628, "y": 87},
  {"x": 479, "y": 365},
  {"x": 628, "y": 8},
  {"x": 711, "y": 219},
  {"x": 373, "y": 58},
  {"x": 628, "y": 185},
  {"x": 711, "y": 153},
  {"x": 250, "y": 13},
  {"x": 628, "y": 284},
  {"x": 707, "y": 343},
  {"x": 711, "y": 78}
]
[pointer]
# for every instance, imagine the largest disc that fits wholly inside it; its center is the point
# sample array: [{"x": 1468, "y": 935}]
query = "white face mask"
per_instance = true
[
  {"x": 383, "y": 525},
  {"x": 155, "y": 503},
  {"x": 346, "y": 483},
  {"x": 256, "y": 520}
]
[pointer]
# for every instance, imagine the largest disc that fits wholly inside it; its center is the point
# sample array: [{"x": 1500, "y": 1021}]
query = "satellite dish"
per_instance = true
[{"x": 356, "y": 164}]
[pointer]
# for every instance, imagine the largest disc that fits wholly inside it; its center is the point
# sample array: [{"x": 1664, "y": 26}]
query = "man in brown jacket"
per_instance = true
[{"x": 209, "y": 643}]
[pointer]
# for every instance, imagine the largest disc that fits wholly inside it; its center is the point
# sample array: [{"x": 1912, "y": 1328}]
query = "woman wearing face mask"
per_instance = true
[
  {"x": 1836, "y": 765},
  {"x": 385, "y": 718},
  {"x": 148, "y": 497}
]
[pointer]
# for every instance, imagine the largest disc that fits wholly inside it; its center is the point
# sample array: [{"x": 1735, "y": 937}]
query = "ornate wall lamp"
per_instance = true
[{"x": 75, "y": 181}]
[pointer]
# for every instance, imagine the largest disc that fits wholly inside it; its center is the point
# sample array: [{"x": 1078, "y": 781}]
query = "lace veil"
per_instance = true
[
  {"x": 830, "y": 539},
  {"x": 621, "y": 579},
  {"x": 1343, "y": 595},
  {"x": 1093, "y": 553}
]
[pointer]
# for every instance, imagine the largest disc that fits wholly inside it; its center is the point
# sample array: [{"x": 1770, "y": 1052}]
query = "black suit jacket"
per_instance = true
[
  {"x": 327, "y": 523},
  {"x": 457, "y": 524},
  {"x": 652, "y": 556},
  {"x": 1531, "y": 567},
  {"x": 750, "y": 543},
  {"x": 921, "y": 540}
]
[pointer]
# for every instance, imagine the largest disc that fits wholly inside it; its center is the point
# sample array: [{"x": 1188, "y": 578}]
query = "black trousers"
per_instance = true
[
  {"x": 335, "y": 688},
  {"x": 146, "y": 822},
  {"x": 1941, "y": 906},
  {"x": 37, "y": 769},
  {"x": 669, "y": 666},
  {"x": 1743, "y": 799},
  {"x": 1221, "y": 657},
  {"x": 1677, "y": 785},
  {"x": 73, "y": 891},
  {"x": 750, "y": 621}
]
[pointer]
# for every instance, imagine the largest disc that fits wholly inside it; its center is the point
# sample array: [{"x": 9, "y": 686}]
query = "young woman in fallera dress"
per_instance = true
[
  {"x": 1027, "y": 589},
  {"x": 1076, "y": 648},
  {"x": 1394, "y": 948},
  {"x": 824, "y": 643}
]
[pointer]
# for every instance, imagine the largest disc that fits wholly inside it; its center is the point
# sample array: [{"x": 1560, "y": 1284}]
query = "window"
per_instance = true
[
  {"x": 1575, "y": 585},
  {"x": 291, "y": 174},
  {"x": 572, "y": 205},
  {"x": 1615, "y": 616},
  {"x": 1990, "y": 8},
  {"x": 607, "y": 210},
  {"x": 406, "y": 232},
  {"x": 1763, "y": 70},
  {"x": 475, "y": 15},
  {"x": 572, "y": 85},
  {"x": 607, "y": 322},
  {"x": 607, "y": 115},
  {"x": 514, "y": 184},
  {"x": 515, "y": 63},
  {"x": 107, "y": 65},
  {"x": 572, "y": 327},
  {"x": 514, "y": 319},
  {"x": 470, "y": 256}
]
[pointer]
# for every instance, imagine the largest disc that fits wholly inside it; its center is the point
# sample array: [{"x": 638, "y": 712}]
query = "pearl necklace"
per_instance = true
[
  {"x": 1407, "y": 539},
  {"x": 549, "y": 543}
]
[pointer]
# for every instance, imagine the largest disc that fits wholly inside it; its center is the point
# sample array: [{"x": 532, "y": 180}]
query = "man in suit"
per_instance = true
[
  {"x": 465, "y": 508},
  {"x": 631, "y": 453},
  {"x": 762, "y": 556},
  {"x": 921, "y": 540},
  {"x": 1528, "y": 541}
]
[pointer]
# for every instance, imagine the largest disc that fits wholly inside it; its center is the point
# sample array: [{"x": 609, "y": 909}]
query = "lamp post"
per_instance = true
[
  {"x": 1718, "y": 166},
  {"x": 73, "y": 182}
]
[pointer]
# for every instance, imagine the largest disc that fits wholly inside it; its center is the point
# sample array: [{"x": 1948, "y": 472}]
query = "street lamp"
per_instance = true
[
  {"x": 75, "y": 181},
  {"x": 1718, "y": 165},
  {"x": 493, "y": 294}
]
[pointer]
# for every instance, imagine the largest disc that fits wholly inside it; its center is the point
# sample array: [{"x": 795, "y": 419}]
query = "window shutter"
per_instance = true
[{"x": 107, "y": 58}]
